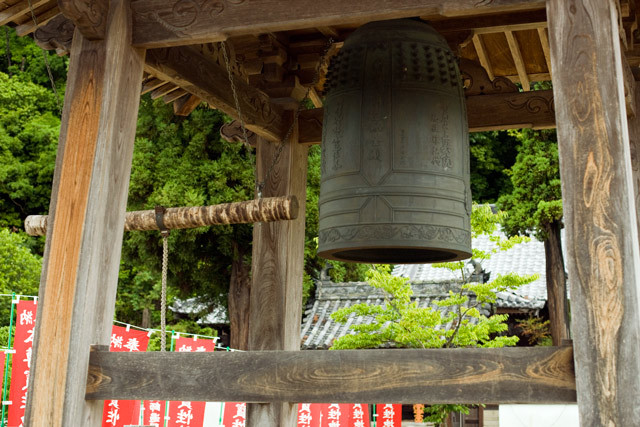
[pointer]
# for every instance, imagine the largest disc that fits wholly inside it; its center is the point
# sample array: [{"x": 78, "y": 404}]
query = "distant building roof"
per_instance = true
[
  {"x": 319, "y": 330},
  {"x": 191, "y": 306},
  {"x": 525, "y": 258}
]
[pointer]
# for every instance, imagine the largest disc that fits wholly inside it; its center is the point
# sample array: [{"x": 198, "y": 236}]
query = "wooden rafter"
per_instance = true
[
  {"x": 503, "y": 375},
  {"x": 518, "y": 61},
  {"x": 158, "y": 23},
  {"x": 481, "y": 50},
  {"x": 19, "y": 9},
  {"x": 41, "y": 16},
  {"x": 544, "y": 42},
  {"x": 199, "y": 75}
]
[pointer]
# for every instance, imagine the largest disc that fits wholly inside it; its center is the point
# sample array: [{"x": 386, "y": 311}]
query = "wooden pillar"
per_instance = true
[
  {"x": 602, "y": 237},
  {"x": 278, "y": 257},
  {"x": 634, "y": 140},
  {"x": 88, "y": 201}
]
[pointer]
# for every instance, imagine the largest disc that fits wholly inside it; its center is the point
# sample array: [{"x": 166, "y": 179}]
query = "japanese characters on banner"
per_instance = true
[
  {"x": 25, "y": 323},
  {"x": 235, "y": 414},
  {"x": 333, "y": 415},
  {"x": 119, "y": 413},
  {"x": 154, "y": 411},
  {"x": 389, "y": 415},
  {"x": 189, "y": 414}
]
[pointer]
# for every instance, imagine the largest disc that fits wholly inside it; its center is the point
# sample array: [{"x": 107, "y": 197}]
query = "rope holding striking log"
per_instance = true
[{"x": 261, "y": 210}]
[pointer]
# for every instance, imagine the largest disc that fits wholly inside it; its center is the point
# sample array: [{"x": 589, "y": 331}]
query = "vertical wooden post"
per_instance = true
[
  {"x": 634, "y": 140},
  {"x": 278, "y": 256},
  {"x": 602, "y": 237},
  {"x": 82, "y": 255}
]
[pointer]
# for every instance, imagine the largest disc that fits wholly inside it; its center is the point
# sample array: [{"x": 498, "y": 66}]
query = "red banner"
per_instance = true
[
  {"x": 358, "y": 415},
  {"x": 154, "y": 411},
  {"x": 21, "y": 361},
  {"x": 189, "y": 414},
  {"x": 119, "y": 413},
  {"x": 235, "y": 414},
  {"x": 389, "y": 415}
]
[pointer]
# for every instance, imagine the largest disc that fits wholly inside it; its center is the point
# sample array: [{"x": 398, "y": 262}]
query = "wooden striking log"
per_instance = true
[
  {"x": 259, "y": 210},
  {"x": 483, "y": 375}
]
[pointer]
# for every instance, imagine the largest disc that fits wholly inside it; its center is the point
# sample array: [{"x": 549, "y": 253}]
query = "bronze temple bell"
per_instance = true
[{"x": 395, "y": 149}]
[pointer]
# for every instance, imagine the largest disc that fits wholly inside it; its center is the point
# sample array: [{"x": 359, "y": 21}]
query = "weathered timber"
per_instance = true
[
  {"x": 200, "y": 75},
  {"x": 277, "y": 264},
  {"x": 57, "y": 34},
  {"x": 509, "y": 110},
  {"x": 260, "y": 210},
  {"x": 82, "y": 254},
  {"x": 90, "y": 16},
  {"x": 160, "y": 23},
  {"x": 23, "y": 7},
  {"x": 498, "y": 23},
  {"x": 634, "y": 145},
  {"x": 233, "y": 132},
  {"x": 184, "y": 106},
  {"x": 42, "y": 17},
  {"x": 603, "y": 257},
  {"x": 502, "y": 375},
  {"x": 516, "y": 54}
]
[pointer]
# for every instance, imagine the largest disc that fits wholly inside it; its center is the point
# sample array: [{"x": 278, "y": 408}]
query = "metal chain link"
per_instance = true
[
  {"x": 163, "y": 293},
  {"x": 276, "y": 156}
]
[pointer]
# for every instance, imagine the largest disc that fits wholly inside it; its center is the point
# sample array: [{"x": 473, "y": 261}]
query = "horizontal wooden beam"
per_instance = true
[
  {"x": 160, "y": 23},
  {"x": 493, "y": 376},
  {"x": 260, "y": 210},
  {"x": 200, "y": 75},
  {"x": 499, "y": 111}
]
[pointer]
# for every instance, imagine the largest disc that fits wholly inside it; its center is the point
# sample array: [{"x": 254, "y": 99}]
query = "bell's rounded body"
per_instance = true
[{"x": 395, "y": 149}]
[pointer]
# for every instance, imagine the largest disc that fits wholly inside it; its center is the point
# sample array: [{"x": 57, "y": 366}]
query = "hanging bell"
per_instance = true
[{"x": 395, "y": 149}]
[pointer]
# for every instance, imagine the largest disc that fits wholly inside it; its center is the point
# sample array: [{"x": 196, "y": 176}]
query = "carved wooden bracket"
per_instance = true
[
  {"x": 477, "y": 81},
  {"x": 57, "y": 34},
  {"x": 89, "y": 15},
  {"x": 232, "y": 132}
]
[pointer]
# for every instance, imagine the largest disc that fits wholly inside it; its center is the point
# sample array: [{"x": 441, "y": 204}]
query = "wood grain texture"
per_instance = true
[
  {"x": 260, "y": 210},
  {"x": 161, "y": 23},
  {"x": 277, "y": 264},
  {"x": 57, "y": 34},
  {"x": 599, "y": 213},
  {"x": 19, "y": 9},
  {"x": 90, "y": 16},
  {"x": 492, "y": 376},
  {"x": 82, "y": 254},
  {"x": 200, "y": 75},
  {"x": 510, "y": 110}
]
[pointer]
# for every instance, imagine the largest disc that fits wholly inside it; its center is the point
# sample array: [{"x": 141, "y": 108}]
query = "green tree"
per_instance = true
[
  {"x": 491, "y": 153},
  {"x": 182, "y": 161},
  {"x": 19, "y": 269},
  {"x": 534, "y": 206},
  {"x": 456, "y": 321},
  {"x": 29, "y": 128}
]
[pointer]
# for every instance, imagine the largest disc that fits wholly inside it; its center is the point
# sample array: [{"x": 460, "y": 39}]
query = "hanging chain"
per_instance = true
[
  {"x": 276, "y": 156},
  {"x": 163, "y": 293},
  {"x": 46, "y": 62}
]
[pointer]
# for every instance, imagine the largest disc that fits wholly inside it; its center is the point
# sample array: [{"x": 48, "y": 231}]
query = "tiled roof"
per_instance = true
[
  {"x": 525, "y": 258},
  {"x": 319, "y": 330},
  {"x": 190, "y": 306}
]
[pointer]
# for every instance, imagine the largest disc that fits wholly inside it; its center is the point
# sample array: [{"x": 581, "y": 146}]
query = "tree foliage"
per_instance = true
[
  {"x": 491, "y": 154},
  {"x": 182, "y": 161},
  {"x": 455, "y": 321},
  {"x": 536, "y": 198},
  {"x": 29, "y": 129},
  {"x": 19, "y": 269}
]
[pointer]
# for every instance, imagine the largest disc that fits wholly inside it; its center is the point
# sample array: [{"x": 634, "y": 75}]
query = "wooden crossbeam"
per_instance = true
[
  {"x": 159, "y": 23},
  {"x": 492, "y": 376},
  {"x": 200, "y": 75},
  {"x": 511, "y": 110}
]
